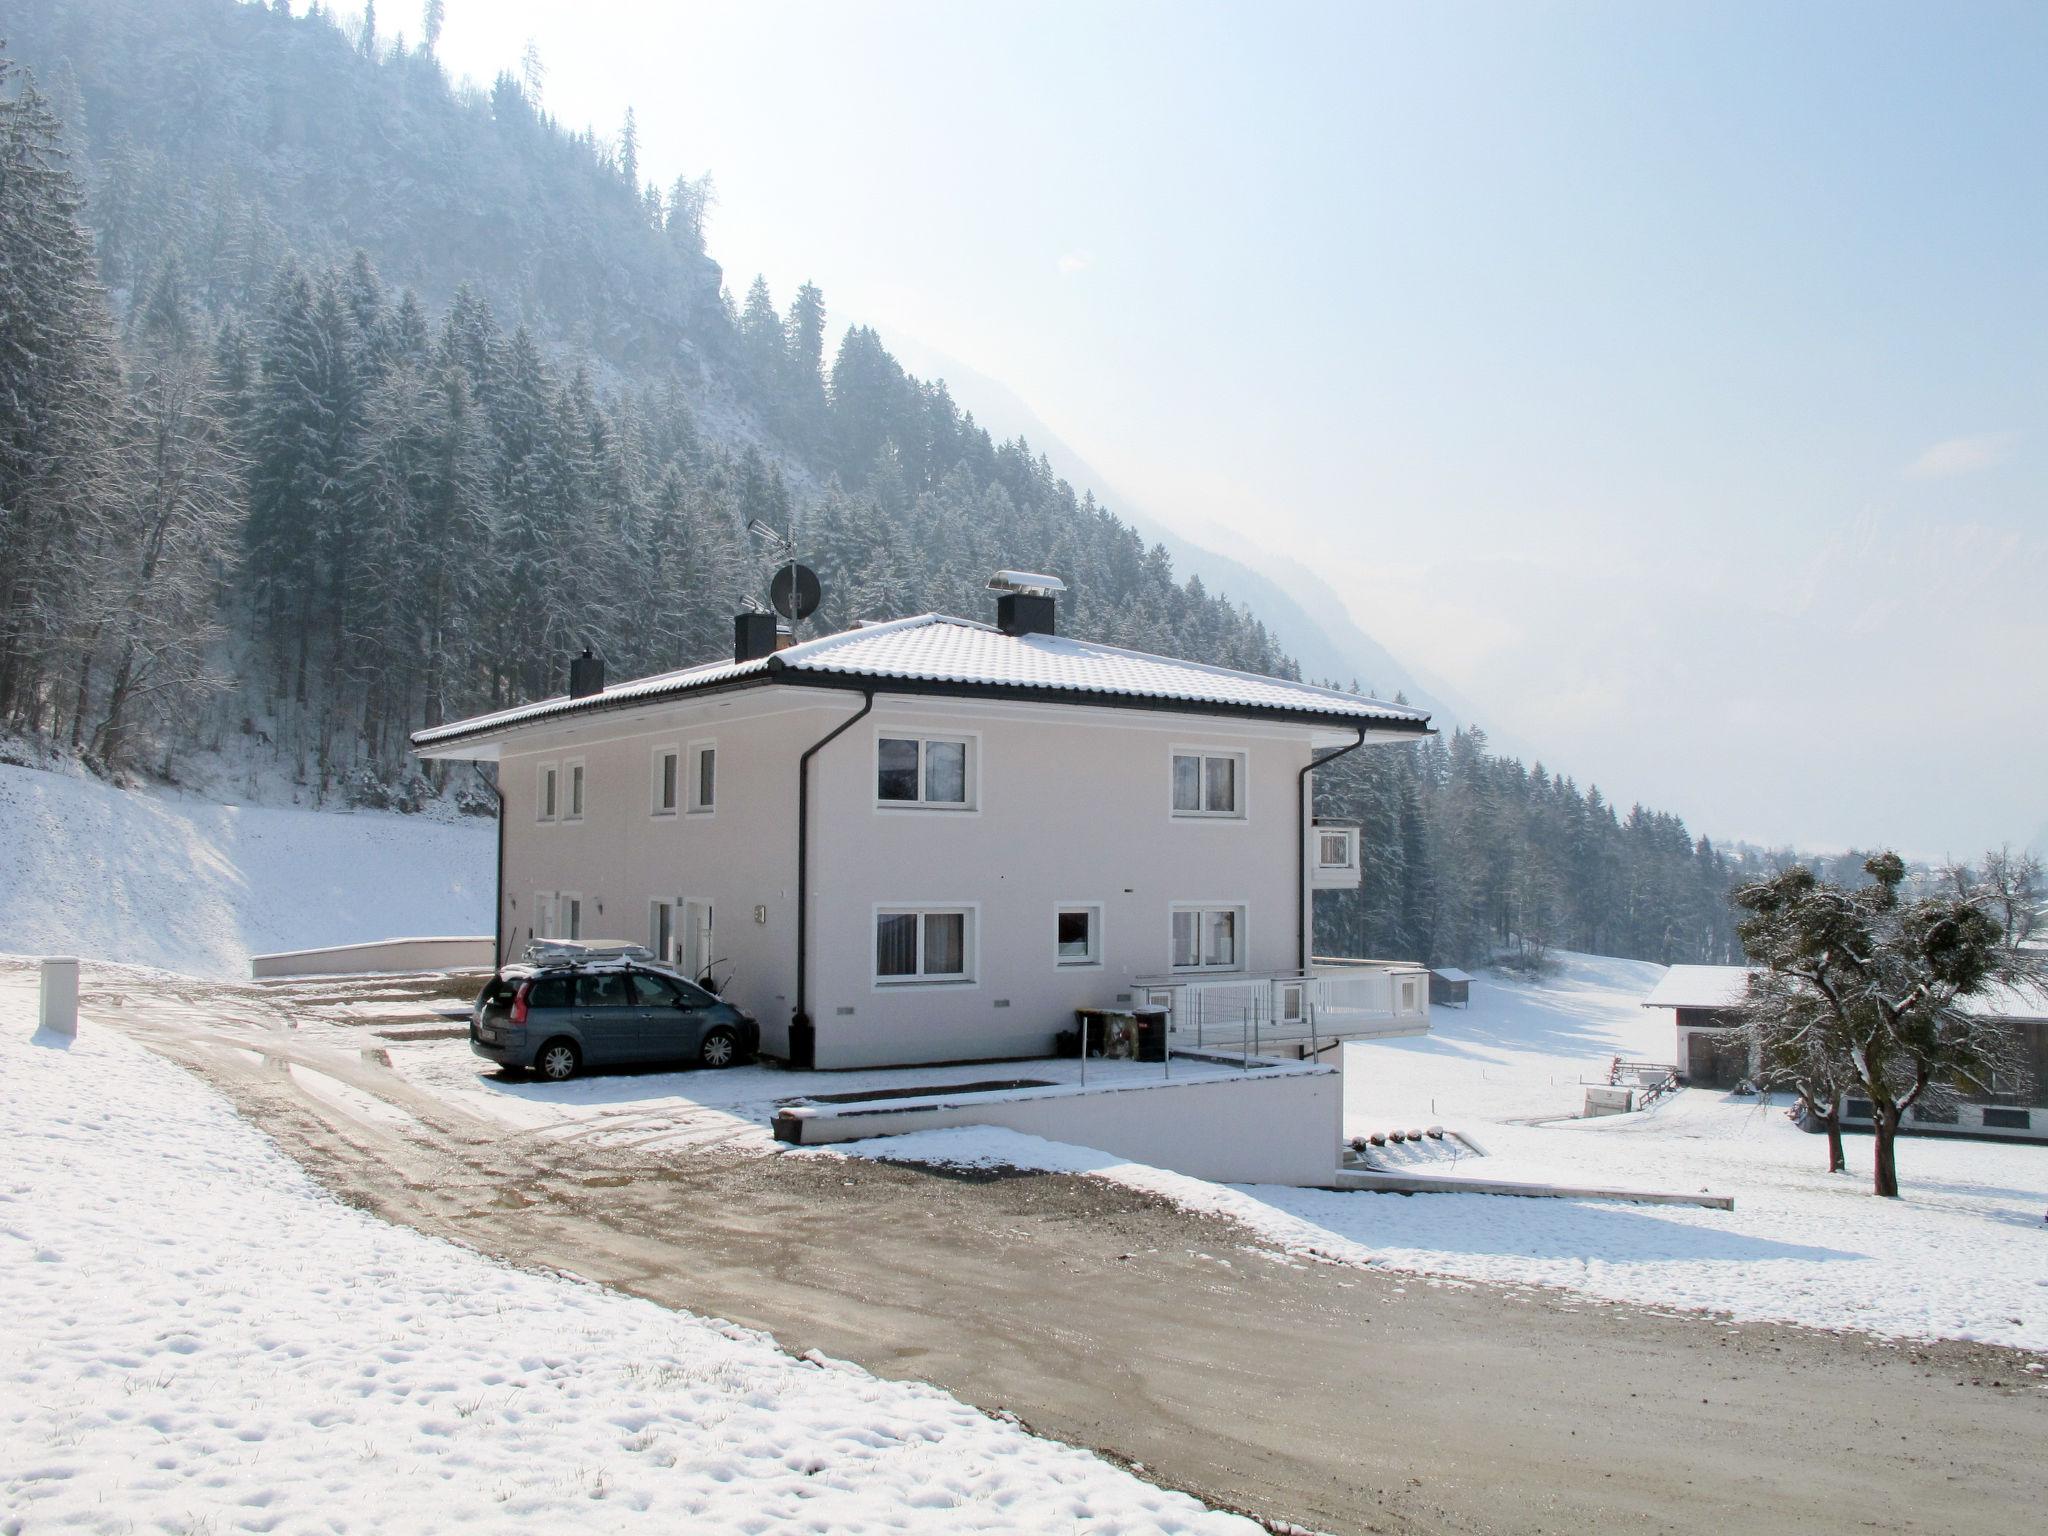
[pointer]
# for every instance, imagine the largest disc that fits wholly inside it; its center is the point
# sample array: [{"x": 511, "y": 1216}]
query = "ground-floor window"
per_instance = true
[
  {"x": 924, "y": 944},
  {"x": 1207, "y": 938},
  {"x": 661, "y": 929},
  {"x": 1078, "y": 935}
]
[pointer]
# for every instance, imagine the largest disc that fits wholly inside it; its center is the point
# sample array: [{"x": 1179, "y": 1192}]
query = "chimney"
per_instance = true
[
  {"x": 753, "y": 636},
  {"x": 586, "y": 675},
  {"x": 1025, "y": 605},
  {"x": 1024, "y": 613}
]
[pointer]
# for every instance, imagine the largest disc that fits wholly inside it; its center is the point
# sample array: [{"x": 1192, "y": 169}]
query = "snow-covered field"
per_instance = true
[
  {"x": 172, "y": 880},
  {"x": 198, "y": 1339},
  {"x": 1963, "y": 1255}
]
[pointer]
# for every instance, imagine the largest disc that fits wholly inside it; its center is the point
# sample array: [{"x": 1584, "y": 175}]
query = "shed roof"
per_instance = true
[
  {"x": 1700, "y": 986},
  {"x": 941, "y": 654},
  {"x": 1448, "y": 973}
]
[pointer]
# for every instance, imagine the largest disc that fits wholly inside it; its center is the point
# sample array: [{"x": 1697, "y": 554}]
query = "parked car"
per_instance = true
[{"x": 558, "y": 1017}]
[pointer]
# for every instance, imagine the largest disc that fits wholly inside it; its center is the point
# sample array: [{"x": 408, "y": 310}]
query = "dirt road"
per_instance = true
[{"x": 1336, "y": 1398}]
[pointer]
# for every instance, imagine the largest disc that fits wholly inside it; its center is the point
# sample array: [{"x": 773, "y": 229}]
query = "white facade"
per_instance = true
[
  {"x": 1069, "y": 809},
  {"x": 987, "y": 850}
]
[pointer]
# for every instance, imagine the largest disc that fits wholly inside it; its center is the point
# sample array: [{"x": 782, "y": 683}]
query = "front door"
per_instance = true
[{"x": 697, "y": 951}]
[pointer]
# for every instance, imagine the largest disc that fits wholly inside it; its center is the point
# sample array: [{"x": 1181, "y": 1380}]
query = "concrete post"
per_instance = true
[{"x": 59, "y": 1014}]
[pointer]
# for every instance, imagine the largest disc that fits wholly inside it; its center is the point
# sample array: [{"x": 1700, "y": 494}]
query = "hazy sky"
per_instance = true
[{"x": 1668, "y": 379}]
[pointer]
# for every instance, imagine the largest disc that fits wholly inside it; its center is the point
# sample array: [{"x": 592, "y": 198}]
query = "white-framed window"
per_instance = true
[
  {"x": 1077, "y": 933},
  {"x": 666, "y": 781},
  {"x": 929, "y": 772},
  {"x": 548, "y": 793},
  {"x": 703, "y": 777},
  {"x": 1208, "y": 782},
  {"x": 1207, "y": 936},
  {"x": 569, "y": 918},
  {"x": 543, "y": 917},
  {"x": 915, "y": 944},
  {"x": 1336, "y": 848},
  {"x": 661, "y": 930},
  {"x": 572, "y": 792}
]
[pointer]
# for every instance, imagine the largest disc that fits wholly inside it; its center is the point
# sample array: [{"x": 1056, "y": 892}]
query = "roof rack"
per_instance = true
[{"x": 579, "y": 952}]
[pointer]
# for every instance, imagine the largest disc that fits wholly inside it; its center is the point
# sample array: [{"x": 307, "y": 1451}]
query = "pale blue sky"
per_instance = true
[{"x": 1607, "y": 354}]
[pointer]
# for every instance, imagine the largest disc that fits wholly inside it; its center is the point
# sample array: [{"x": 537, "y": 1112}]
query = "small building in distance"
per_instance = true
[
  {"x": 1707, "y": 1000},
  {"x": 1449, "y": 986}
]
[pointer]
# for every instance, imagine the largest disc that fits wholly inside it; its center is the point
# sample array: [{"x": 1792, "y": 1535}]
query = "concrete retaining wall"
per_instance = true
[
  {"x": 1276, "y": 1125},
  {"x": 442, "y": 954}
]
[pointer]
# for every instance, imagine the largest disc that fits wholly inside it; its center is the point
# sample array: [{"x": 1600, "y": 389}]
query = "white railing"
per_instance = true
[{"x": 1334, "y": 1000}]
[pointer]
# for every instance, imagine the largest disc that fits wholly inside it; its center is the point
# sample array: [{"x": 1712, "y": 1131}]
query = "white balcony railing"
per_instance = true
[{"x": 1333, "y": 1000}]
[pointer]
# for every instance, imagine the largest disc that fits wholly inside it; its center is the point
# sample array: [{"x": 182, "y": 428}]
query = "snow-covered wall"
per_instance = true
[{"x": 172, "y": 880}]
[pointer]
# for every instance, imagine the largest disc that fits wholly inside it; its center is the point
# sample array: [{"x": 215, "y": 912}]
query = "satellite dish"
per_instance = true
[{"x": 799, "y": 581}]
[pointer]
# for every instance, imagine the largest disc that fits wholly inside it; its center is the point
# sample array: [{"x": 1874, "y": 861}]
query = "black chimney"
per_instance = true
[
  {"x": 586, "y": 675},
  {"x": 753, "y": 636},
  {"x": 1024, "y": 613}
]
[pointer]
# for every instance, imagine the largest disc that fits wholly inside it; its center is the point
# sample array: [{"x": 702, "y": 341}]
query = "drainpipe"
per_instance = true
[
  {"x": 800, "y": 1027},
  {"x": 498, "y": 897},
  {"x": 1302, "y": 896}
]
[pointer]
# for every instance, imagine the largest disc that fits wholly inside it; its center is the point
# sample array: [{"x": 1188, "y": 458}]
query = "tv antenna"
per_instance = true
[{"x": 794, "y": 592}]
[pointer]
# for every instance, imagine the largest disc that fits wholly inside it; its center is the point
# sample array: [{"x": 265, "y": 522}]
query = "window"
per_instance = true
[
  {"x": 656, "y": 991},
  {"x": 923, "y": 944},
  {"x": 571, "y": 917},
  {"x": 703, "y": 778},
  {"x": 549, "y": 788},
  {"x": 1336, "y": 849},
  {"x": 1208, "y": 783},
  {"x": 1078, "y": 935},
  {"x": 550, "y": 992},
  {"x": 605, "y": 989},
  {"x": 668, "y": 775},
  {"x": 1208, "y": 938},
  {"x": 661, "y": 929},
  {"x": 913, "y": 770},
  {"x": 574, "y": 809}
]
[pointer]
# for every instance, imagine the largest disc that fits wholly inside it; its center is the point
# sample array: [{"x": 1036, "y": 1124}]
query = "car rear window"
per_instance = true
[{"x": 549, "y": 992}]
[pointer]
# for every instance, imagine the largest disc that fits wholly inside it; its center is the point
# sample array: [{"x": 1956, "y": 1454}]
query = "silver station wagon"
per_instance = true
[{"x": 561, "y": 1016}]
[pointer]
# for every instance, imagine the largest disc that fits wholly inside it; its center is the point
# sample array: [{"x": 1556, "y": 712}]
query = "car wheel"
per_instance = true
[
  {"x": 719, "y": 1048},
  {"x": 558, "y": 1061}
]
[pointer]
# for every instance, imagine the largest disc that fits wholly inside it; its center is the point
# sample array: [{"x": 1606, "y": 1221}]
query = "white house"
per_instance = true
[{"x": 933, "y": 839}]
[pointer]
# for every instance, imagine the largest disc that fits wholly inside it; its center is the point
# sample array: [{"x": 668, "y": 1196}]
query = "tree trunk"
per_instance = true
[
  {"x": 1885, "y": 1163},
  {"x": 1832, "y": 1124}
]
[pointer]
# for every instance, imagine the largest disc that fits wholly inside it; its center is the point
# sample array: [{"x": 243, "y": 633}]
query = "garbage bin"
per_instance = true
[{"x": 1151, "y": 1033}]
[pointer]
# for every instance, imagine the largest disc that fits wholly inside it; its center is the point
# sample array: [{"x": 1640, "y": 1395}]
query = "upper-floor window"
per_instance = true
[
  {"x": 573, "y": 811},
  {"x": 1208, "y": 783},
  {"x": 923, "y": 770},
  {"x": 668, "y": 780},
  {"x": 703, "y": 776},
  {"x": 548, "y": 793},
  {"x": 1336, "y": 847}
]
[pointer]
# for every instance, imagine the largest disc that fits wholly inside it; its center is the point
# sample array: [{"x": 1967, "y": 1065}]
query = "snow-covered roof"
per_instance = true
[
  {"x": 1700, "y": 986},
  {"x": 959, "y": 654},
  {"x": 1449, "y": 973}
]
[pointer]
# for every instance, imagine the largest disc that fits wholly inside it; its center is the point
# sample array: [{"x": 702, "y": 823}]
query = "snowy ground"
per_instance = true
[
  {"x": 167, "y": 879},
  {"x": 199, "y": 1340},
  {"x": 1963, "y": 1255}
]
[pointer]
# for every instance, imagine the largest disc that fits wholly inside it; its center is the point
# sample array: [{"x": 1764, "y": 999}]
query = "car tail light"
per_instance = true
[{"x": 519, "y": 1002}]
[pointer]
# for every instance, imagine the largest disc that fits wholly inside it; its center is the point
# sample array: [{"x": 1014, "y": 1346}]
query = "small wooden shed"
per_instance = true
[{"x": 1449, "y": 986}]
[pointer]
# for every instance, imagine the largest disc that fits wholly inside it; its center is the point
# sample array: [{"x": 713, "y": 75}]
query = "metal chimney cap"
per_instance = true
[{"x": 1031, "y": 582}]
